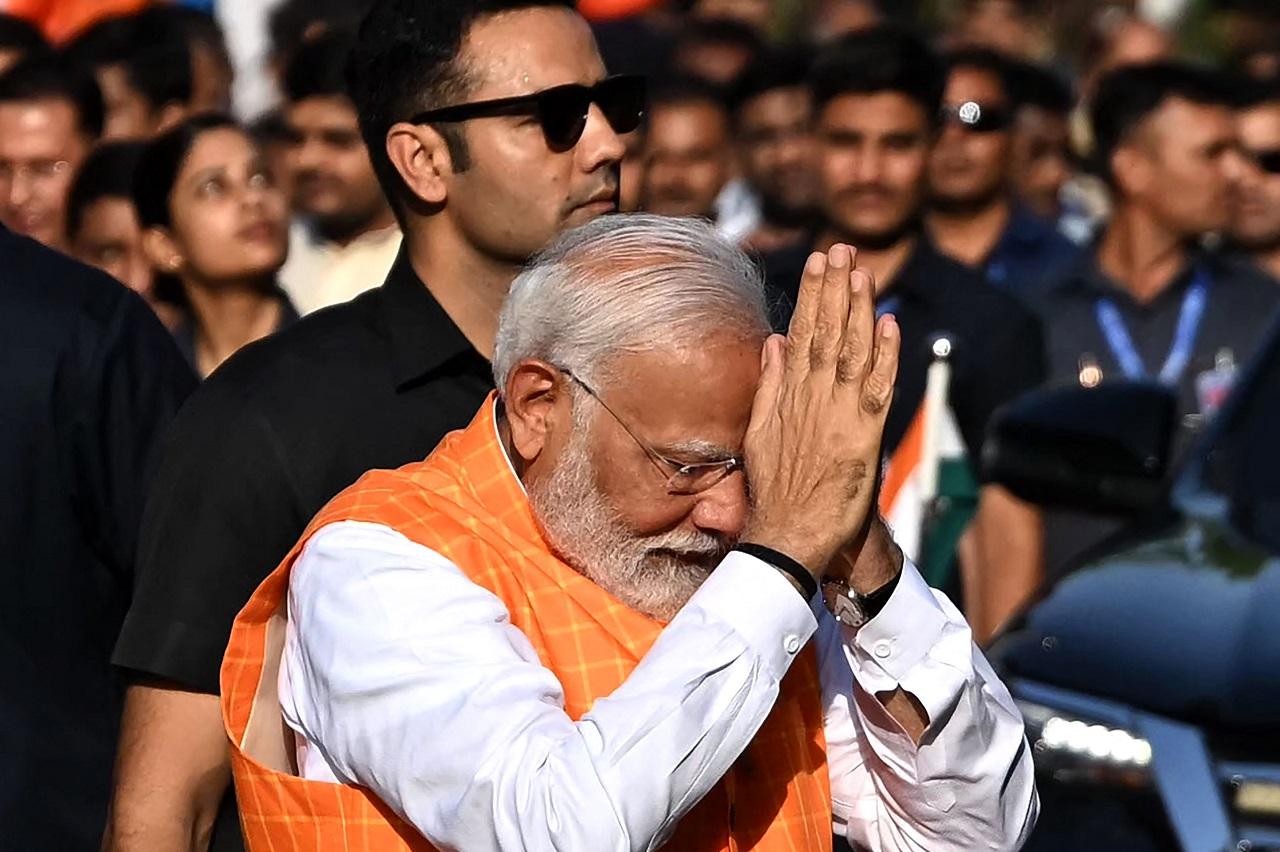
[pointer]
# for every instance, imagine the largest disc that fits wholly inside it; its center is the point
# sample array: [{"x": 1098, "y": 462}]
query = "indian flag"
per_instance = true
[{"x": 928, "y": 494}]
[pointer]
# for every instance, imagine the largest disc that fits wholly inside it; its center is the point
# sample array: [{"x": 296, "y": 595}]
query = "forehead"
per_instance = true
[
  {"x": 515, "y": 53},
  {"x": 108, "y": 215},
  {"x": 686, "y": 118},
  {"x": 780, "y": 104},
  {"x": 218, "y": 147},
  {"x": 706, "y": 391},
  {"x": 875, "y": 113},
  {"x": 1260, "y": 126},
  {"x": 967, "y": 83},
  {"x": 323, "y": 110},
  {"x": 47, "y": 121},
  {"x": 1182, "y": 123}
]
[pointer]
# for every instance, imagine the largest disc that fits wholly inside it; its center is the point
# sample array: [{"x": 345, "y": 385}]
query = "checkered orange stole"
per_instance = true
[{"x": 465, "y": 503}]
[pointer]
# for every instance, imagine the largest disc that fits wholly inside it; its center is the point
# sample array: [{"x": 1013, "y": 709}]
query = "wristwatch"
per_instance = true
[{"x": 852, "y": 609}]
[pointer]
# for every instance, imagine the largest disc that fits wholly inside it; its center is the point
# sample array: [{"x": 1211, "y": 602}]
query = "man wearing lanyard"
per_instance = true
[
  {"x": 1148, "y": 302},
  {"x": 877, "y": 99}
]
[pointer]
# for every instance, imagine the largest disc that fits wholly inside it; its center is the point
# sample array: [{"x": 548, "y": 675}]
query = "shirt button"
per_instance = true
[
  {"x": 882, "y": 649},
  {"x": 792, "y": 644}
]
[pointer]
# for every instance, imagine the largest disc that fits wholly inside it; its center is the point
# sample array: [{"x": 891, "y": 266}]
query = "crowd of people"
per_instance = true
[{"x": 318, "y": 291}]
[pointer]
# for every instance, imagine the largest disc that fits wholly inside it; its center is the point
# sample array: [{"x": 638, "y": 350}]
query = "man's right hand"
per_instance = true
[{"x": 813, "y": 445}]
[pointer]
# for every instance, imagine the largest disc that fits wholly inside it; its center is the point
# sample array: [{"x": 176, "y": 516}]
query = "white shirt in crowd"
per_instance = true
[
  {"x": 318, "y": 273},
  {"x": 401, "y": 675}
]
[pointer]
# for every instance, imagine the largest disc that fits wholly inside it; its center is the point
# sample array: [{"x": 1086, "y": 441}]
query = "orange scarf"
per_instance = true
[{"x": 465, "y": 503}]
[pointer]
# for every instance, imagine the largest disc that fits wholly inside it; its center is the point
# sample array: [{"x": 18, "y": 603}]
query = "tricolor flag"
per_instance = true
[{"x": 929, "y": 493}]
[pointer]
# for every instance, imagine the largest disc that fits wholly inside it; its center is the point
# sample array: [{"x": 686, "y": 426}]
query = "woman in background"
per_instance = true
[{"x": 214, "y": 220}]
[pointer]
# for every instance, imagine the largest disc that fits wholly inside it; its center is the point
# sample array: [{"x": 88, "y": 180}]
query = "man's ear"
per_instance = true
[
  {"x": 1130, "y": 169},
  {"x": 537, "y": 406},
  {"x": 421, "y": 156},
  {"x": 161, "y": 250}
]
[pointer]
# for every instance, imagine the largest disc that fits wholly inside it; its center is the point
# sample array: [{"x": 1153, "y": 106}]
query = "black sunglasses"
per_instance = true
[
  {"x": 1268, "y": 160},
  {"x": 971, "y": 115},
  {"x": 561, "y": 110}
]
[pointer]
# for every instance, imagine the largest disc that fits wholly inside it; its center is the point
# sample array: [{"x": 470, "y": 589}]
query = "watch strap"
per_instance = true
[{"x": 784, "y": 563}]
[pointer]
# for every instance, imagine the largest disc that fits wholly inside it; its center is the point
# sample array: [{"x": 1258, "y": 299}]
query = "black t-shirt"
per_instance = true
[
  {"x": 89, "y": 380},
  {"x": 266, "y": 441},
  {"x": 1240, "y": 307},
  {"x": 996, "y": 343}
]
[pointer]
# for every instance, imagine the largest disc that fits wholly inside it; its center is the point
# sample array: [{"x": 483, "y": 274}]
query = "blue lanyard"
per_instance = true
[{"x": 1190, "y": 315}]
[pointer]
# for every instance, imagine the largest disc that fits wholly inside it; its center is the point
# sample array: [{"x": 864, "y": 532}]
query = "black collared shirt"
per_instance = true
[
  {"x": 1242, "y": 302},
  {"x": 997, "y": 347},
  {"x": 89, "y": 380},
  {"x": 266, "y": 441}
]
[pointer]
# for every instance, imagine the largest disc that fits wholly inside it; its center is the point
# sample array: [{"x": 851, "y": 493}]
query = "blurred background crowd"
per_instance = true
[{"x": 1070, "y": 192}]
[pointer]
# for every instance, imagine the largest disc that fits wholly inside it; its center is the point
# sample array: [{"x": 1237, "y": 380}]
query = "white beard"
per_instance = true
[{"x": 655, "y": 575}]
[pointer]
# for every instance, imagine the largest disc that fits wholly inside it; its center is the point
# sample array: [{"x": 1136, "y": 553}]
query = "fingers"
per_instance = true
[
  {"x": 800, "y": 331},
  {"x": 833, "y": 310},
  {"x": 772, "y": 363},
  {"x": 877, "y": 390},
  {"x": 856, "y": 349}
]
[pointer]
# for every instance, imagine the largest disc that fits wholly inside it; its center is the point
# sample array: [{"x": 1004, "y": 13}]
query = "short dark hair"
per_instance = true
[
  {"x": 985, "y": 60},
  {"x": 885, "y": 58},
  {"x": 1128, "y": 96},
  {"x": 162, "y": 159},
  {"x": 21, "y": 35},
  {"x": 702, "y": 31},
  {"x": 318, "y": 67},
  {"x": 679, "y": 90},
  {"x": 294, "y": 22},
  {"x": 198, "y": 28},
  {"x": 405, "y": 61},
  {"x": 1254, "y": 93},
  {"x": 108, "y": 172},
  {"x": 781, "y": 68},
  {"x": 39, "y": 77},
  {"x": 1037, "y": 86},
  {"x": 152, "y": 49}
]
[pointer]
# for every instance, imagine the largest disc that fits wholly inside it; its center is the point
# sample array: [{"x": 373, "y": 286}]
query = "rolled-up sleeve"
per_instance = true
[{"x": 969, "y": 784}]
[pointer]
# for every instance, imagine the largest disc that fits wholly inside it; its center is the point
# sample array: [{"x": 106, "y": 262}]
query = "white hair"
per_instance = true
[{"x": 627, "y": 283}]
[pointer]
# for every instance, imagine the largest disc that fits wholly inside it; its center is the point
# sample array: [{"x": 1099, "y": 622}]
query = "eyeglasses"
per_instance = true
[
  {"x": 973, "y": 116},
  {"x": 1268, "y": 160},
  {"x": 39, "y": 171},
  {"x": 561, "y": 110},
  {"x": 681, "y": 478}
]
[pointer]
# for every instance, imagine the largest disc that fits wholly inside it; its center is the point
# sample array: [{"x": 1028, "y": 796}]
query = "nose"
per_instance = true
[
  {"x": 870, "y": 167},
  {"x": 600, "y": 144},
  {"x": 722, "y": 509},
  {"x": 307, "y": 155},
  {"x": 1235, "y": 167},
  {"x": 18, "y": 191}
]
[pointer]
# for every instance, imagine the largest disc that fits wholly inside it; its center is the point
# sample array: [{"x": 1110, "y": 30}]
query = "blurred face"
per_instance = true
[
  {"x": 41, "y": 147},
  {"x": 111, "y": 239},
  {"x": 1000, "y": 25},
  {"x": 1256, "y": 223},
  {"x": 1040, "y": 159},
  {"x": 631, "y": 176},
  {"x": 128, "y": 115},
  {"x": 334, "y": 183},
  {"x": 228, "y": 217},
  {"x": 969, "y": 167},
  {"x": 1184, "y": 167},
  {"x": 757, "y": 14},
  {"x": 518, "y": 193},
  {"x": 873, "y": 152},
  {"x": 686, "y": 157},
  {"x": 775, "y": 133},
  {"x": 715, "y": 62},
  {"x": 604, "y": 504}
]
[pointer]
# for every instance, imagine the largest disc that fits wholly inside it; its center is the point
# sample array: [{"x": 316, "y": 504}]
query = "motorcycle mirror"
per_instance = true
[{"x": 1104, "y": 449}]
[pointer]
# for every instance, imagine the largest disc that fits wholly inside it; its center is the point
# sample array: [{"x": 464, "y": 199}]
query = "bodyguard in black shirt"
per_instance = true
[
  {"x": 877, "y": 96},
  {"x": 289, "y": 422},
  {"x": 89, "y": 380},
  {"x": 1147, "y": 303}
]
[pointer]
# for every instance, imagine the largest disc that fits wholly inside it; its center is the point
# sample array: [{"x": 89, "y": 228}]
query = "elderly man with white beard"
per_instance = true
[{"x": 592, "y": 619}]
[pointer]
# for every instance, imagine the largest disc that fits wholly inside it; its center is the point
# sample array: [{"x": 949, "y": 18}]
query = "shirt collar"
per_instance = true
[
  {"x": 912, "y": 280},
  {"x": 423, "y": 336},
  {"x": 1087, "y": 278}
]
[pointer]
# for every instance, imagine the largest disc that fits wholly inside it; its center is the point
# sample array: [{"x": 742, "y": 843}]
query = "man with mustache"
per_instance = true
[
  {"x": 688, "y": 154},
  {"x": 569, "y": 628},
  {"x": 347, "y": 236},
  {"x": 972, "y": 216},
  {"x": 491, "y": 127},
  {"x": 877, "y": 98}
]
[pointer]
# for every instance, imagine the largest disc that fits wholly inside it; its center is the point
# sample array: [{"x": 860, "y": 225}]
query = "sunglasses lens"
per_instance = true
[
  {"x": 1269, "y": 161},
  {"x": 563, "y": 114},
  {"x": 622, "y": 100},
  {"x": 977, "y": 118}
]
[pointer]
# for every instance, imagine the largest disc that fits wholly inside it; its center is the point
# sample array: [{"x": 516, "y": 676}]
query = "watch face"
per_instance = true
[{"x": 843, "y": 607}]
